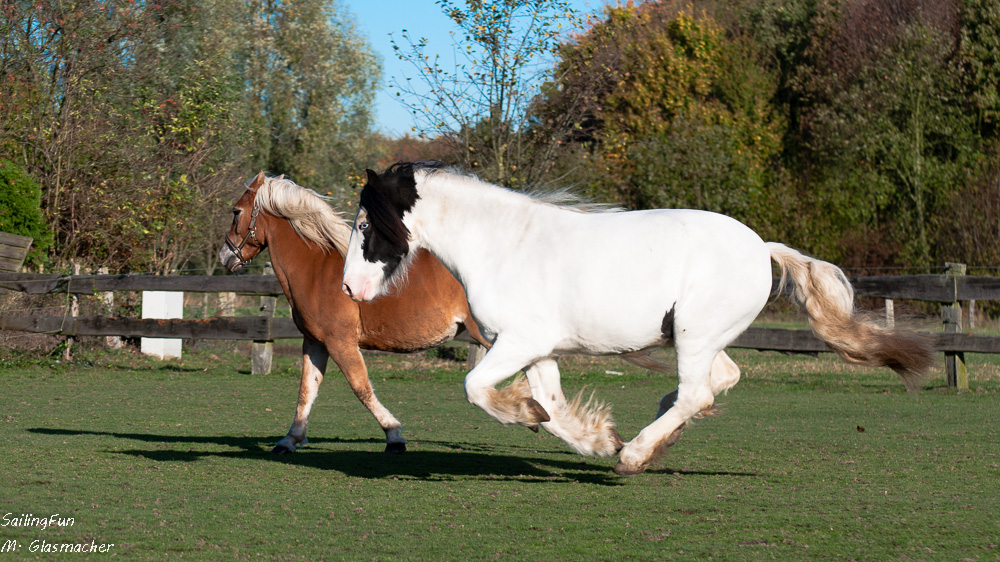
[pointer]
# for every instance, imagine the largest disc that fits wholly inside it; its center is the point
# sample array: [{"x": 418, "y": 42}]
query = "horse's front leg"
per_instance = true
[
  {"x": 352, "y": 364},
  {"x": 314, "y": 357},
  {"x": 509, "y": 405},
  {"x": 585, "y": 426}
]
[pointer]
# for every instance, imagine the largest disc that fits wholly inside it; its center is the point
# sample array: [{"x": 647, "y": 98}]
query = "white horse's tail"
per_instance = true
[{"x": 828, "y": 298}]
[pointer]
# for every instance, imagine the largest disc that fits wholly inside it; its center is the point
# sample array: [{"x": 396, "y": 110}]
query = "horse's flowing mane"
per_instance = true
[
  {"x": 563, "y": 198},
  {"x": 310, "y": 216}
]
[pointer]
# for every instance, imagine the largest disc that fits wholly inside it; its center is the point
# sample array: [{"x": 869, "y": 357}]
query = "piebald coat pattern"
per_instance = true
[{"x": 546, "y": 279}]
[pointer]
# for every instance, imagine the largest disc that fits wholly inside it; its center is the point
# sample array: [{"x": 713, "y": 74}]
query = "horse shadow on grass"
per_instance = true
[{"x": 459, "y": 460}]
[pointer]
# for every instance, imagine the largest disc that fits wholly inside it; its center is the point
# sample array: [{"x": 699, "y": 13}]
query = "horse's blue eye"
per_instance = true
[{"x": 363, "y": 225}]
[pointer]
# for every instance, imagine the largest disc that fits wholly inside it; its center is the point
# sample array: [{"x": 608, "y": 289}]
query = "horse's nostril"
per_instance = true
[{"x": 347, "y": 290}]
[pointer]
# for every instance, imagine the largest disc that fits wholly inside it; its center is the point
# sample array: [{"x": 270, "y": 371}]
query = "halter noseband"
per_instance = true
[{"x": 237, "y": 250}]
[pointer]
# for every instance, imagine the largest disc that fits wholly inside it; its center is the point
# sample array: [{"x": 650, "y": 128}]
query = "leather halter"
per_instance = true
[{"x": 237, "y": 249}]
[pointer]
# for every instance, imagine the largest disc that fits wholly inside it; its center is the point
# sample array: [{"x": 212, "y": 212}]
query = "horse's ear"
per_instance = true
[
  {"x": 257, "y": 182},
  {"x": 372, "y": 177}
]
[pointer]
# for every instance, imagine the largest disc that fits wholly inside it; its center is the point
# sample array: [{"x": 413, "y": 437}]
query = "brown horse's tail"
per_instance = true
[{"x": 824, "y": 291}]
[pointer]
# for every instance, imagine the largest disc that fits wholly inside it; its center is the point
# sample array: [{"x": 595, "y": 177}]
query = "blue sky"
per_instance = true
[{"x": 376, "y": 19}]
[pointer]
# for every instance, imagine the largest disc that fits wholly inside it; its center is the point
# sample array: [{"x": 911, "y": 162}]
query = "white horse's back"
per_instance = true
[{"x": 651, "y": 264}]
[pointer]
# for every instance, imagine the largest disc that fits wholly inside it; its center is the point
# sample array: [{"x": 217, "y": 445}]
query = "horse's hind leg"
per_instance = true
[
  {"x": 352, "y": 364},
  {"x": 314, "y": 357},
  {"x": 724, "y": 375},
  {"x": 585, "y": 426},
  {"x": 694, "y": 394}
]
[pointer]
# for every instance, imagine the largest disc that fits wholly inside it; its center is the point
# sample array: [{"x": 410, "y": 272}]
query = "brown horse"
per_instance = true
[{"x": 308, "y": 240}]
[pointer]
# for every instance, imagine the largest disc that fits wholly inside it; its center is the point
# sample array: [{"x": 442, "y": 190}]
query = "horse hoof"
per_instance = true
[
  {"x": 618, "y": 440},
  {"x": 537, "y": 411},
  {"x": 395, "y": 448},
  {"x": 280, "y": 449},
  {"x": 622, "y": 469}
]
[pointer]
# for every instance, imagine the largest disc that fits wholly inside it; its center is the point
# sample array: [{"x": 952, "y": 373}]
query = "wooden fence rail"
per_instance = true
[
  {"x": 255, "y": 328},
  {"x": 39, "y": 283},
  {"x": 931, "y": 288},
  {"x": 949, "y": 290}
]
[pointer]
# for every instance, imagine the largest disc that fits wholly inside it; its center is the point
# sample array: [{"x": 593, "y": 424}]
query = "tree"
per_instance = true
[
  {"x": 71, "y": 65},
  {"x": 139, "y": 119},
  {"x": 888, "y": 140},
  {"x": 970, "y": 227},
  {"x": 675, "y": 113},
  {"x": 481, "y": 106},
  {"x": 311, "y": 81},
  {"x": 979, "y": 54}
]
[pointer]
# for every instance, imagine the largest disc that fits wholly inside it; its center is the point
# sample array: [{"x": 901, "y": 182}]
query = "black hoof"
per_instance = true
[
  {"x": 282, "y": 449},
  {"x": 395, "y": 448}
]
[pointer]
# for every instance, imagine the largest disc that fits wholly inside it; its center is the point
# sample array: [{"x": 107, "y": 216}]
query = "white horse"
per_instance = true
[{"x": 545, "y": 279}]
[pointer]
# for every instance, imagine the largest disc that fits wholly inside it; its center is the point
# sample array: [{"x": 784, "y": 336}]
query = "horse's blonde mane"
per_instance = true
[
  {"x": 563, "y": 198},
  {"x": 310, "y": 216}
]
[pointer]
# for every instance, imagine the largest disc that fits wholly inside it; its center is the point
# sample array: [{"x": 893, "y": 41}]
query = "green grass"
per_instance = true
[{"x": 812, "y": 460}]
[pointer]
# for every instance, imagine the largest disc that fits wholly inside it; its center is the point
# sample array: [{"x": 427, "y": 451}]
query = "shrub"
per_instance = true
[{"x": 21, "y": 209}]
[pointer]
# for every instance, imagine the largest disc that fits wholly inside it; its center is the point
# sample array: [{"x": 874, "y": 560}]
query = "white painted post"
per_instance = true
[
  {"x": 890, "y": 314},
  {"x": 162, "y": 304}
]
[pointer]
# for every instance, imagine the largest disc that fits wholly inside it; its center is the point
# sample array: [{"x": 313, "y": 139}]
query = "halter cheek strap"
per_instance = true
[{"x": 251, "y": 235}]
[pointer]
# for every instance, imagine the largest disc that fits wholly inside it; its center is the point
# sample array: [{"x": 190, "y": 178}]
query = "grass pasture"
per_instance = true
[{"x": 812, "y": 460}]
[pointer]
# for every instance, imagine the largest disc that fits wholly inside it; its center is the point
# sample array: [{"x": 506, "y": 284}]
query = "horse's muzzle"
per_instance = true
[{"x": 347, "y": 291}]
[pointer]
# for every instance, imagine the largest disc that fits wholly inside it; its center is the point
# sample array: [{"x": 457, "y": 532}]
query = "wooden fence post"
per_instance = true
[
  {"x": 227, "y": 303},
  {"x": 476, "y": 354},
  {"x": 262, "y": 352},
  {"x": 108, "y": 299},
  {"x": 951, "y": 315},
  {"x": 890, "y": 314},
  {"x": 74, "y": 311}
]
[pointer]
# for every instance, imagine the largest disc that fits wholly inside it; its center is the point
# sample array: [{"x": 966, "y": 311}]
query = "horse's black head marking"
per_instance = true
[{"x": 385, "y": 199}]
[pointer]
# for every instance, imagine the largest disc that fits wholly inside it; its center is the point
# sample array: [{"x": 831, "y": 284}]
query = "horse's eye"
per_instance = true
[{"x": 363, "y": 225}]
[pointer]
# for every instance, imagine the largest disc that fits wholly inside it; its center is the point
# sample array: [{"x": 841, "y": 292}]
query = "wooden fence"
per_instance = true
[
  {"x": 949, "y": 290},
  {"x": 13, "y": 249}
]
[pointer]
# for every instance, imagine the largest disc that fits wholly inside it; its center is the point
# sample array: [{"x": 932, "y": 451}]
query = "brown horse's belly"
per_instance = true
[{"x": 407, "y": 340}]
